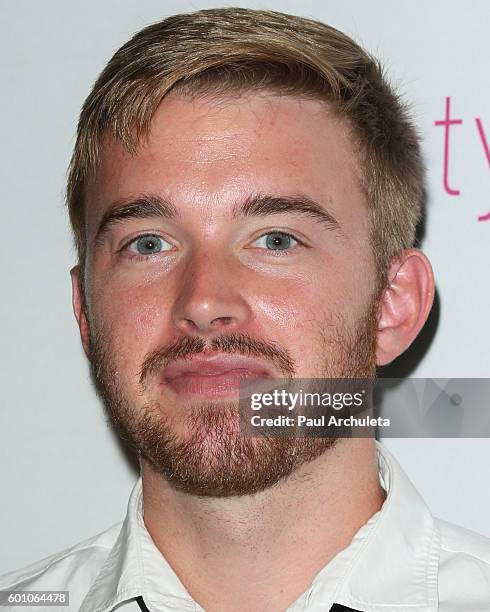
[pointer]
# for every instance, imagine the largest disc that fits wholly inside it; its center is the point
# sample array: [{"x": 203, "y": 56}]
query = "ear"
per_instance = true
[
  {"x": 79, "y": 309},
  {"x": 404, "y": 305}
]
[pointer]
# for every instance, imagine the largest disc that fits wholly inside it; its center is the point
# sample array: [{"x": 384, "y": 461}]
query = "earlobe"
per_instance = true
[
  {"x": 404, "y": 305},
  {"x": 78, "y": 304}
]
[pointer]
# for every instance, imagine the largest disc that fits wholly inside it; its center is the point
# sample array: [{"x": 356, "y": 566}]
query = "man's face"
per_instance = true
[{"x": 240, "y": 249}]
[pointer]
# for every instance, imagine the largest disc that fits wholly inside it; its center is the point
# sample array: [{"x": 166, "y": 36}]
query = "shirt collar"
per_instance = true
[
  {"x": 398, "y": 567},
  {"x": 394, "y": 569},
  {"x": 136, "y": 567}
]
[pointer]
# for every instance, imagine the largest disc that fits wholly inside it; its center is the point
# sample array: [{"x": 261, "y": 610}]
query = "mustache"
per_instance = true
[{"x": 235, "y": 343}]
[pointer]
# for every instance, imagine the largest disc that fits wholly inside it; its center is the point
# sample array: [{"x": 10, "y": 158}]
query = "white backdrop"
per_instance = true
[{"x": 63, "y": 476}]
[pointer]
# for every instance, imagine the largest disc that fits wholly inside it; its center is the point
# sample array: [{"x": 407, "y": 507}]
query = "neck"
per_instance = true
[{"x": 241, "y": 541}]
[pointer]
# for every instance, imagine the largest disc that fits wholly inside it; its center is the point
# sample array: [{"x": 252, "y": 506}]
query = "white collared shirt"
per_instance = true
[{"x": 402, "y": 560}]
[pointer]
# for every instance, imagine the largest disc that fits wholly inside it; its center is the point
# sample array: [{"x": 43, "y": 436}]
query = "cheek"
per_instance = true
[
  {"x": 294, "y": 302},
  {"x": 304, "y": 312},
  {"x": 290, "y": 312},
  {"x": 133, "y": 318}
]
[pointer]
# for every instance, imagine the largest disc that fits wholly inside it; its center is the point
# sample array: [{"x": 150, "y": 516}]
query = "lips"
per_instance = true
[{"x": 212, "y": 375}]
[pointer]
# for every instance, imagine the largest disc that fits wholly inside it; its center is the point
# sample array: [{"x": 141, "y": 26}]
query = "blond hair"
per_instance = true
[{"x": 236, "y": 50}]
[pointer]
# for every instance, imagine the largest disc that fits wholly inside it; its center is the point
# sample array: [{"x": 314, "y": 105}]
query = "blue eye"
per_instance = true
[
  {"x": 148, "y": 244},
  {"x": 276, "y": 241}
]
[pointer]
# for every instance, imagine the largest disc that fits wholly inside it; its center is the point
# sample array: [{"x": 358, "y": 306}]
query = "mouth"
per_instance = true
[{"x": 212, "y": 376}]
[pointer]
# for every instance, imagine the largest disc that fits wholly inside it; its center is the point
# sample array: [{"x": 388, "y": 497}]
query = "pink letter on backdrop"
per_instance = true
[
  {"x": 481, "y": 131},
  {"x": 446, "y": 123}
]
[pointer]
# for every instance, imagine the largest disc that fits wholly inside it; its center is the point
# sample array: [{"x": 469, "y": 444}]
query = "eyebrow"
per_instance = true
[
  {"x": 258, "y": 205},
  {"x": 144, "y": 207},
  {"x": 263, "y": 205}
]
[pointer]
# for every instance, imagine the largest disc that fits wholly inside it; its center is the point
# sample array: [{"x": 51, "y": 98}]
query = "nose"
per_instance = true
[{"x": 209, "y": 298}]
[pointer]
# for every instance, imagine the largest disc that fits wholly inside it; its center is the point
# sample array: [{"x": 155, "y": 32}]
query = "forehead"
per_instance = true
[{"x": 210, "y": 153}]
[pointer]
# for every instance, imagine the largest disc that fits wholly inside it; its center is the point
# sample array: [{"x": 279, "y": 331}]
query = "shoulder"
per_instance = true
[
  {"x": 73, "y": 569},
  {"x": 456, "y": 539},
  {"x": 464, "y": 566}
]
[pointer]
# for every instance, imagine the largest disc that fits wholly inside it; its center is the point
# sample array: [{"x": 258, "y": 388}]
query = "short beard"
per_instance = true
[{"x": 213, "y": 459}]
